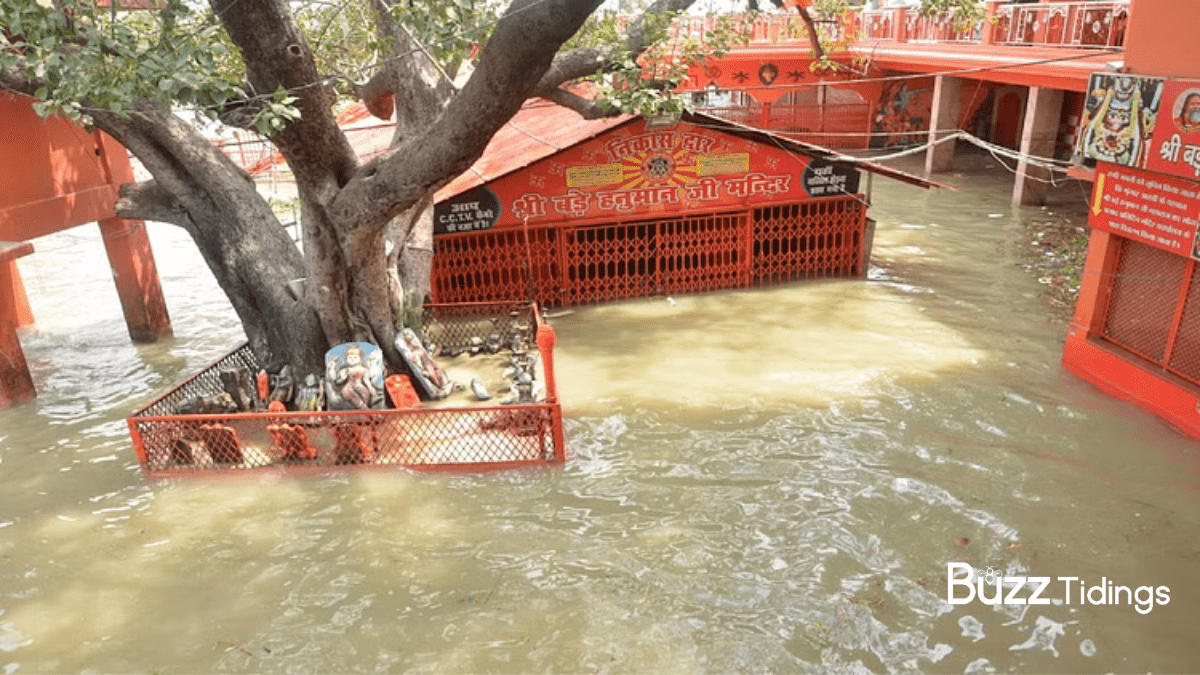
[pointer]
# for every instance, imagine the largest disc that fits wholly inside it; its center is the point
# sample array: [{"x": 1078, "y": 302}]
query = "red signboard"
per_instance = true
[
  {"x": 1148, "y": 207},
  {"x": 633, "y": 171},
  {"x": 1175, "y": 148}
]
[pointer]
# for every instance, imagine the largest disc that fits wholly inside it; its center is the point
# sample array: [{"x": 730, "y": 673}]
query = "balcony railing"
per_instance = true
[
  {"x": 1073, "y": 24},
  {"x": 1080, "y": 25},
  {"x": 767, "y": 29}
]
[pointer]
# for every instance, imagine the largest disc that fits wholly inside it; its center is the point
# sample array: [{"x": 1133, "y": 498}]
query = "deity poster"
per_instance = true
[{"x": 1143, "y": 123}]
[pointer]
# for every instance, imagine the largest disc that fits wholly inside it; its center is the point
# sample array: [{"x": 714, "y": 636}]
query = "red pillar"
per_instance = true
[
  {"x": 136, "y": 278},
  {"x": 990, "y": 18},
  {"x": 900, "y": 19},
  {"x": 131, "y": 258},
  {"x": 17, "y": 299},
  {"x": 16, "y": 384}
]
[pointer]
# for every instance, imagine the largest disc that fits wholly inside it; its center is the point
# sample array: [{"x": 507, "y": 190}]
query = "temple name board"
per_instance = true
[{"x": 631, "y": 172}]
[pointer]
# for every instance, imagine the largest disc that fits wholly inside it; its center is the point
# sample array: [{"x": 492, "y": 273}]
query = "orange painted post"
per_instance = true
[
  {"x": 987, "y": 33},
  {"x": 19, "y": 301},
  {"x": 136, "y": 277},
  {"x": 900, "y": 29},
  {"x": 545, "y": 342},
  {"x": 16, "y": 384},
  {"x": 129, "y": 253}
]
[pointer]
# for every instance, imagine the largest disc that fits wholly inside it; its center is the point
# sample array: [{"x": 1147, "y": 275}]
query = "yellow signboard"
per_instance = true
[
  {"x": 713, "y": 165},
  {"x": 594, "y": 175}
]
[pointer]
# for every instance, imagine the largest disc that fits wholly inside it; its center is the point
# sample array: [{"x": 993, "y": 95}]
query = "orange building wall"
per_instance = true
[
  {"x": 1161, "y": 39},
  {"x": 43, "y": 158},
  {"x": 1159, "y": 42}
]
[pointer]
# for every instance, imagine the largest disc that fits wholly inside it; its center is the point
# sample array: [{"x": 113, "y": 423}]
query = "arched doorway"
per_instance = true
[{"x": 1009, "y": 111}]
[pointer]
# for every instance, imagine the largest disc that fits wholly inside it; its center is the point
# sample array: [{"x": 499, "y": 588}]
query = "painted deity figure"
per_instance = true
[
  {"x": 309, "y": 396},
  {"x": 1119, "y": 127},
  {"x": 355, "y": 378}
]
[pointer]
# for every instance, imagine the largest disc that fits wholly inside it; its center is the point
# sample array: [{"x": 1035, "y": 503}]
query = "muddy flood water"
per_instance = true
[{"x": 761, "y": 481}]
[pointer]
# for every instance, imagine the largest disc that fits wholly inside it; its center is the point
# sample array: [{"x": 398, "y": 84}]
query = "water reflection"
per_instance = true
[{"x": 765, "y": 481}]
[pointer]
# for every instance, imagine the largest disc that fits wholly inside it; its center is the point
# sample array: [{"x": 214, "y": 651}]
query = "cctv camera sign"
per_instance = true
[{"x": 477, "y": 209}]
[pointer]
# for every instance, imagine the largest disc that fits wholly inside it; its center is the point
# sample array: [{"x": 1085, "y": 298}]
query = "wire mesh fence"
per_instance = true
[
  {"x": 463, "y": 438},
  {"x": 1153, "y": 308}
]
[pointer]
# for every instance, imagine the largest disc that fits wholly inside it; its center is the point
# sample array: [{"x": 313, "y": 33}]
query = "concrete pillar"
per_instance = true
[
  {"x": 947, "y": 93},
  {"x": 136, "y": 278},
  {"x": 1043, "y": 110}
]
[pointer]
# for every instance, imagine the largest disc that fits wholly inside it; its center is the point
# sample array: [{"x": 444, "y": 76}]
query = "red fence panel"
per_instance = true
[
  {"x": 688, "y": 254},
  {"x": 462, "y": 438},
  {"x": 808, "y": 240}
]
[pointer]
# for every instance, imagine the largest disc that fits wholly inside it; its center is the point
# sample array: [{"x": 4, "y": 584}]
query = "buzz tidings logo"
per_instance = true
[{"x": 992, "y": 587}]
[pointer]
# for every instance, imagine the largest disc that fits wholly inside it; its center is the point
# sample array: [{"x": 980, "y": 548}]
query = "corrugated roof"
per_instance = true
[
  {"x": 538, "y": 130},
  {"x": 541, "y": 129}
]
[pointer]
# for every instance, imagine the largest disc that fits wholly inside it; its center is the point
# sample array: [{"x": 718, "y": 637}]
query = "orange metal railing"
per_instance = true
[
  {"x": 568, "y": 265},
  {"x": 459, "y": 438}
]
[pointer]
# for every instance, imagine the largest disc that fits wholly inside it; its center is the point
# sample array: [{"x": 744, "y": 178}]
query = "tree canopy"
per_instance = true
[
  {"x": 278, "y": 68},
  {"x": 450, "y": 73}
]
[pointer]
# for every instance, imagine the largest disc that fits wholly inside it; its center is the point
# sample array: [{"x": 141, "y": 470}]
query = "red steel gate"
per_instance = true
[{"x": 563, "y": 264}]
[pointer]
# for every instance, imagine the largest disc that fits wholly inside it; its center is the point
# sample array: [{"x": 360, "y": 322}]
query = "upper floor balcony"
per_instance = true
[{"x": 1074, "y": 25}]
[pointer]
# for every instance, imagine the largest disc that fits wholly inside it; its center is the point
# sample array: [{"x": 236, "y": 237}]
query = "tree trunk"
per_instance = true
[{"x": 200, "y": 189}]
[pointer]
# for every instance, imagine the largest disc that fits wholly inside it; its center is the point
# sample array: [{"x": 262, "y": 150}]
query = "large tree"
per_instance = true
[{"x": 255, "y": 64}]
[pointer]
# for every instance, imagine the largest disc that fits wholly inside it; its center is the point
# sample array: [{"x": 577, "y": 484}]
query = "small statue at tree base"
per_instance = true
[{"x": 310, "y": 396}]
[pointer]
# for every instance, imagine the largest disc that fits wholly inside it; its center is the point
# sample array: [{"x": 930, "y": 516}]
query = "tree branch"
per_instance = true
[
  {"x": 813, "y": 39},
  {"x": 585, "y": 61},
  {"x": 413, "y": 71},
  {"x": 149, "y": 201},
  {"x": 635, "y": 35},
  {"x": 276, "y": 55},
  {"x": 512, "y": 63},
  {"x": 585, "y": 107},
  {"x": 570, "y": 66}
]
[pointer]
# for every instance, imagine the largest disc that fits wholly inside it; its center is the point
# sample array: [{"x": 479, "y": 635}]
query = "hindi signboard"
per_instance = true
[
  {"x": 476, "y": 209},
  {"x": 1158, "y": 210},
  {"x": 633, "y": 171}
]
